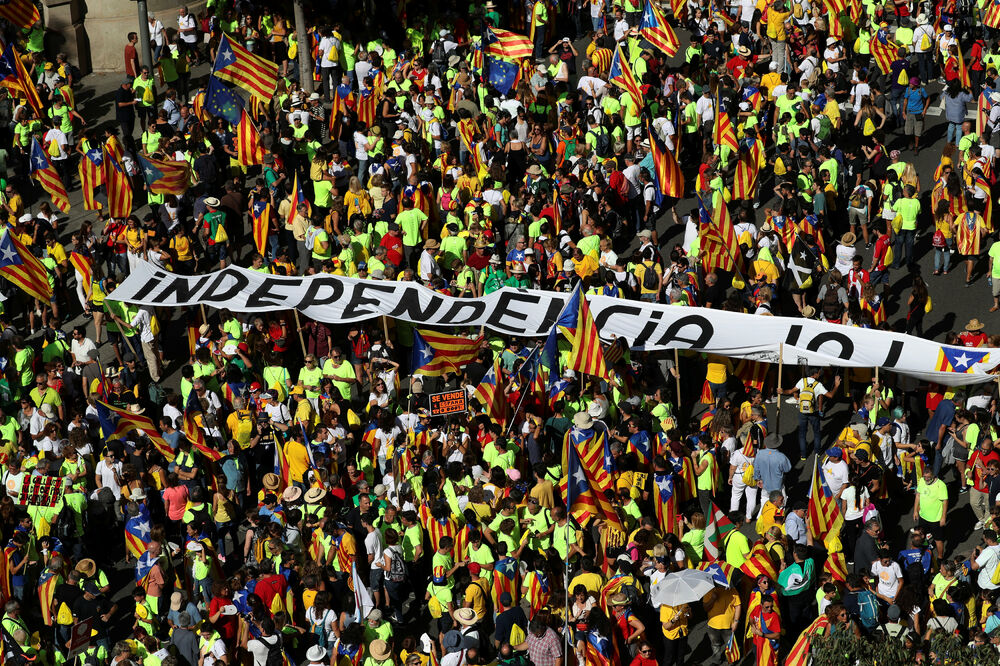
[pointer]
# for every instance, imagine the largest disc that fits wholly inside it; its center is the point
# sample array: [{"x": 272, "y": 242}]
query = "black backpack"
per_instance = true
[
  {"x": 274, "y": 656},
  {"x": 602, "y": 143},
  {"x": 650, "y": 280}
]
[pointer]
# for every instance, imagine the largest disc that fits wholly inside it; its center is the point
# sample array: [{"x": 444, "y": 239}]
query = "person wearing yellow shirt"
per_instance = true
[
  {"x": 717, "y": 374},
  {"x": 772, "y": 513},
  {"x": 723, "y": 608},
  {"x": 589, "y": 577},
  {"x": 777, "y": 17},
  {"x": 586, "y": 264},
  {"x": 297, "y": 456},
  {"x": 674, "y": 621},
  {"x": 304, "y": 412}
]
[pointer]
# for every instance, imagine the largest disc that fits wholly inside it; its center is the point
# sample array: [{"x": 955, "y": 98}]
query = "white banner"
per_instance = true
[{"x": 645, "y": 326}]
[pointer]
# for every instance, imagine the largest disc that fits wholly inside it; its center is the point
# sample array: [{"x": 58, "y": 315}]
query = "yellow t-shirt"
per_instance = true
[
  {"x": 678, "y": 614},
  {"x": 723, "y": 609},
  {"x": 776, "y": 24},
  {"x": 298, "y": 460}
]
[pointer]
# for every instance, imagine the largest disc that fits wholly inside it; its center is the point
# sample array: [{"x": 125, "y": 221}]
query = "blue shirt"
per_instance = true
[
  {"x": 915, "y": 100},
  {"x": 915, "y": 556},
  {"x": 795, "y": 528},
  {"x": 770, "y": 467},
  {"x": 234, "y": 475},
  {"x": 943, "y": 416}
]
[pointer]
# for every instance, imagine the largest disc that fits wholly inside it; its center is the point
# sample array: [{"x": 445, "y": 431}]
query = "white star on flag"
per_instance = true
[
  {"x": 142, "y": 529},
  {"x": 962, "y": 361},
  {"x": 427, "y": 353},
  {"x": 40, "y": 161},
  {"x": 227, "y": 55},
  {"x": 9, "y": 255}
]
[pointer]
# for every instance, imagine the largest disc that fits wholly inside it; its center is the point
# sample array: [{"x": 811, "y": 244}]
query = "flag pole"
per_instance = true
[
  {"x": 298, "y": 328},
  {"x": 524, "y": 393},
  {"x": 781, "y": 363},
  {"x": 566, "y": 633},
  {"x": 677, "y": 377}
]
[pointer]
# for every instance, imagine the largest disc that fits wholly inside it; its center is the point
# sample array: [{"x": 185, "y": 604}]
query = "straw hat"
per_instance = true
[
  {"x": 431, "y": 244},
  {"x": 379, "y": 650},
  {"x": 86, "y": 567},
  {"x": 848, "y": 239},
  {"x": 534, "y": 170},
  {"x": 809, "y": 312},
  {"x": 315, "y": 495},
  {"x": 291, "y": 494},
  {"x": 466, "y": 616},
  {"x": 271, "y": 481},
  {"x": 583, "y": 420},
  {"x": 975, "y": 325},
  {"x": 767, "y": 227},
  {"x": 212, "y": 202},
  {"x": 316, "y": 654}
]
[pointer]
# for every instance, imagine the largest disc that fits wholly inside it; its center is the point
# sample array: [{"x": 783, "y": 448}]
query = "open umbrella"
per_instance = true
[{"x": 681, "y": 587}]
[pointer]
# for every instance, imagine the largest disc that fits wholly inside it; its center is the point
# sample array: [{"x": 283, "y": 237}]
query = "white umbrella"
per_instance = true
[{"x": 681, "y": 587}]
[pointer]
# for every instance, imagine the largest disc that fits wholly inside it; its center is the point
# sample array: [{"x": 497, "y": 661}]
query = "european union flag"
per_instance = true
[
  {"x": 222, "y": 101},
  {"x": 501, "y": 74}
]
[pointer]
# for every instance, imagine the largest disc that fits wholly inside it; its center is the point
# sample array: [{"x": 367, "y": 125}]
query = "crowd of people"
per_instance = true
[{"x": 280, "y": 487}]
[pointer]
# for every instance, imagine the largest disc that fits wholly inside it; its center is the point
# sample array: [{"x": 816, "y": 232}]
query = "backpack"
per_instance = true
[
  {"x": 825, "y": 127},
  {"x": 602, "y": 142},
  {"x": 311, "y": 238},
  {"x": 925, "y": 40},
  {"x": 867, "y": 610},
  {"x": 397, "y": 569},
  {"x": 517, "y": 635},
  {"x": 858, "y": 197},
  {"x": 807, "y": 396},
  {"x": 650, "y": 279},
  {"x": 319, "y": 629},
  {"x": 438, "y": 55},
  {"x": 274, "y": 652}
]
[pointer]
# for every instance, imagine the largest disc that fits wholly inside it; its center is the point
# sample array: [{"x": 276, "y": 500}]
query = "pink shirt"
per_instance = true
[{"x": 175, "y": 501}]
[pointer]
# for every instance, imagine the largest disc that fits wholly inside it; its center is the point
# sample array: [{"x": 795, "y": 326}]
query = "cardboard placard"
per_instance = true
[{"x": 449, "y": 402}]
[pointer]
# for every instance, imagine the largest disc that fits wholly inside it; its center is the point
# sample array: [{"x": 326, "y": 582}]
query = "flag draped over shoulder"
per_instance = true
[
  {"x": 883, "y": 49},
  {"x": 117, "y": 422},
  {"x": 165, "y": 176},
  {"x": 823, "y": 515},
  {"x": 260, "y": 221},
  {"x": 236, "y": 64},
  {"x": 137, "y": 532},
  {"x": 668, "y": 178},
  {"x": 46, "y": 175},
  {"x": 91, "y": 172},
  {"x": 435, "y": 353},
  {"x": 248, "y": 149},
  {"x": 22, "y": 268}
]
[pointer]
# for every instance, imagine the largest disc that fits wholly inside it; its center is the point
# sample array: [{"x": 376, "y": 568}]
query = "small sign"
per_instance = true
[
  {"x": 44, "y": 491},
  {"x": 79, "y": 639},
  {"x": 449, "y": 402}
]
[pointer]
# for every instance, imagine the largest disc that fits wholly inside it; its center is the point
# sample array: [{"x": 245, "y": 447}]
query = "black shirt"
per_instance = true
[
  {"x": 506, "y": 621},
  {"x": 124, "y": 112}
]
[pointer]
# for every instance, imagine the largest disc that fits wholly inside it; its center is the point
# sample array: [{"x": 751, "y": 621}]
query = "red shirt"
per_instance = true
[
  {"x": 268, "y": 587},
  {"x": 970, "y": 339},
  {"x": 131, "y": 57},
  {"x": 978, "y": 462},
  {"x": 393, "y": 246},
  {"x": 226, "y": 625}
]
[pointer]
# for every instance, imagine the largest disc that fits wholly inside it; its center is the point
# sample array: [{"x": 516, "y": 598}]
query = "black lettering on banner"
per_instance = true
[
  {"x": 672, "y": 334},
  {"x": 892, "y": 358},
  {"x": 503, "y": 310},
  {"x": 258, "y": 297},
  {"x": 355, "y": 307},
  {"x": 602, "y": 317},
  {"x": 793, "y": 335},
  {"x": 453, "y": 316},
  {"x": 184, "y": 288},
  {"x": 311, "y": 297},
  {"x": 408, "y": 306},
  {"x": 551, "y": 315},
  {"x": 154, "y": 281},
  {"x": 240, "y": 282},
  {"x": 846, "y": 344}
]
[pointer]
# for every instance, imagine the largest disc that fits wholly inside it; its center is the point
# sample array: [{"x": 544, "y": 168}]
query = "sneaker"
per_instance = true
[
  {"x": 868, "y": 245},
  {"x": 792, "y": 401},
  {"x": 979, "y": 525},
  {"x": 963, "y": 490},
  {"x": 802, "y": 458}
]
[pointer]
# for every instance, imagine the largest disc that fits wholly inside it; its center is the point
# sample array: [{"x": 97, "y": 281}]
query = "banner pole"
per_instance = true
[
  {"x": 677, "y": 377},
  {"x": 385, "y": 328},
  {"x": 781, "y": 364},
  {"x": 298, "y": 328}
]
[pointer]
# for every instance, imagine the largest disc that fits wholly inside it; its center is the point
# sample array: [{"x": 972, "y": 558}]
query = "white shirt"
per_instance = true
[
  {"x": 187, "y": 23},
  {"x": 325, "y": 45},
  {"x": 861, "y": 89},
  {"x": 889, "y": 578},
  {"x": 259, "y": 649},
  {"x": 216, "y": 651},
  {"x": 836, "y": 475},
  {"x": 156, "y": 32},
  {"x": 360, "y": 146},
  {"x": 107, "y": 473},
  {"x": 278, "y": 413},
  {"x": 428, "y": 267},
  {"x": 854, "y": 506},
  {"x": 593, "y": 86},
  {"x": 705, "y": 108},
  {"x": 80, "y": 349},
  {"x": 987, "y": 561},
  {"x": 59, "y": 137},
  {"x": 143, "y": 321},
  {"x": 373, "y": 544}
]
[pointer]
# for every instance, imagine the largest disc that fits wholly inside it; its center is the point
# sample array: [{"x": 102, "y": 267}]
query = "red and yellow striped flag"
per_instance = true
[
  {"x": 836, "y": 566},
  {"x": 91, "y": 177},
  {"x": 507, "y": 44},
  {"x": 248, "y": 149},
  {"x": 669, "y": 179},
  {"x": 195, "y": 435},
  {"x": 24, "y": 269},
  {"x": 85, "y": 267},
  {"x": 116, "y": 180},
  {"x": 577, "y": 324},
  {"x": 45, "y": 174},
  {"x": 758, "y": 563},
  {"x": 799, "y": 654},
  {"x": 723, "y": 133},
  {"x": 234, "y": 63},
  {"x": 435, "y": 354}
]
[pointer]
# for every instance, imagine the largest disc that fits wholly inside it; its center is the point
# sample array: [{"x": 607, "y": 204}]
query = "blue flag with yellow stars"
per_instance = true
[
  {"x": 501, "y": 74},
  {"x": 222, "y": 102}
]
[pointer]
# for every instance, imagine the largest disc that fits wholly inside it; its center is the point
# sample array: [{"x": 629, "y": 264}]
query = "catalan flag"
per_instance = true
[
  {"x": 823, "y": 515},
  {"x": 655, "y": 30},
  {"x": 260, "y": 215},
  {"x": 752, "y": 373},
  {"x": 799, "y": 654},
  {"x": 165, "y": 176},
  {"x": 620, "y": 74},
  {"x": 601, "y": 59},
  {"x": 91, "y": 174},
  {"x": 747, "y": 171},
  {"x": 137, "y": 532},
  {"x": 22, "y": 268},
  {"x": 715, "y": 534},
  {"x": 367, "y": 106},
  {"x": 248, "y": 149},
  {"x": 47, "y": 176},
  {"x": 467, "y": 130},
  {"x": 723, "y": 133},
  {"x": 435, "y": 354},
  {"x": 539, "y": 591},
  {"x": 679, "y": 8},
  {"x": 490, "y": 393},
  {"x": 587, "y": 485},
  {"x": 597, "y": 650},
  {"x": 507, "y": 44},
  {"x": 991, "y": 14},
  {"x": 960, "y": 359},
  {"x": 48, "y": 581},
  {"x": 15, "y": 77},
  {"x": 84, "y": 266},
  {"x": 836, "y": 566},
  {"x": 143, "y": 566},
  {"x": 665, "y": 505},
  {"x": 963, "y": 71},
  {"x": 883, "y": 48},
  {"x": 758, "y": 563},
  {"x": 117, "y": 422},
  {"x": 732, "y": 649},
  {"x": 116, "y": 181},
  {"x": 577, "y": 324},
  {"x": 713, "y": 250},
  {"x": 506, "y": 573},
  {"x": 669, "y": 179},
  {"x": 234, "y": 63},
  {"x": 298, "y": 196},
  {"x": 721, "y": 571},
  {"x": 194, "y": 434}
]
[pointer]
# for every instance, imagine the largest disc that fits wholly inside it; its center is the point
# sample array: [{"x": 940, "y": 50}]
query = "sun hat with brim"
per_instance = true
[
  {"x": 975, "y": 325},
  {"x": 291, "y": 494},
  {"x": 315, "y": 495},
  {"x": 517, "y": 269},
  {"x": 743, "y": 51},
  {"x": 466, "y": 616},
  {"x": 86, "y": 567},
  {"x": 271, "y": 481},
  {"x": 534, "y": 170},
  {"x": 316, "y": 654},
  {"x": 583, "y": 420},
  {"x": 848, "y": 239},
  {"x": 772, "y": 441},
  {"x": 379, "y": 650},
  {"x": 808, "y": 312},
  {"x": 618, "y": 599},
  {"x": 212, "y": 202},
  {"x": 431, "y": 244}
]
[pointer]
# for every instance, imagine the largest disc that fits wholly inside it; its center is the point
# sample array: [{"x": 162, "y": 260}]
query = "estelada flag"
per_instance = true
[
  {"x": 14, "y": 77},
  {"x": 655, "y": 29},
  {"x": 21, "y": 13},
  {"x": 435, "y": 354},
  {"x": 165, "y": 176},
  {"x": 234, "y": 63},
  {"x": 116, "y": 180},
  {"x": 42, "y": 171},
  {"x": 91, "y": 174},
  {"x": 260, "y": 215},
  {"x": 669, "y": 179},
  {"x": 491, "y": 394},
  {"x": 620, "y": 74},
  {"x": 507, "y": 44},
  {"x": 24, "y": 269},
  {"x": 577, "y": 324}
]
